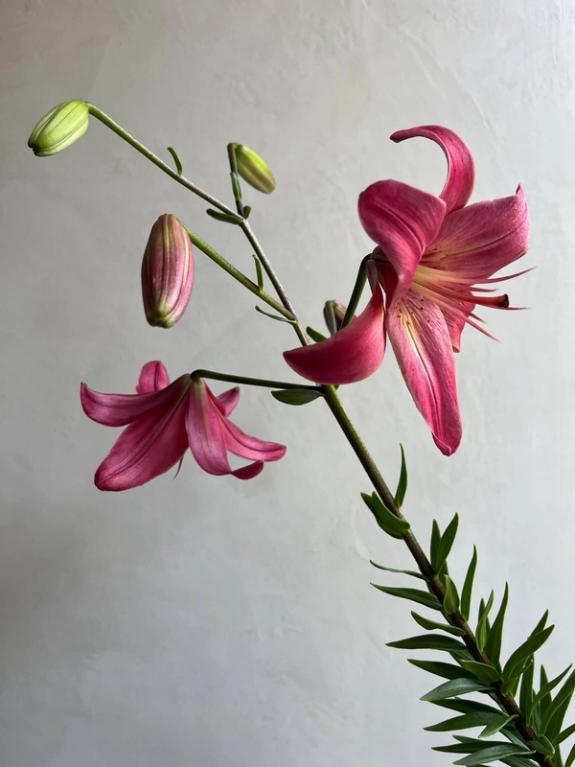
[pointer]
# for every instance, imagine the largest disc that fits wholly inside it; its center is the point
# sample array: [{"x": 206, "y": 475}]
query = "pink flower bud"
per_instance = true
[{"x": 167, "y": 272}]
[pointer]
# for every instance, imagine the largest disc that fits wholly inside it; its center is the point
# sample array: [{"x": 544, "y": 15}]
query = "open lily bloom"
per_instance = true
[
  {"x": 163, "y": 419},
  {"x": 434, "y": 257}
]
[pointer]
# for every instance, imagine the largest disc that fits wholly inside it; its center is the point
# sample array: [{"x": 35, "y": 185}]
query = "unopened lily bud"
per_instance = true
[
  {"x": 254, "y": 170},
  {"x": 333, "y": 313},
  {"x": 167, "y": 272},
  {"x": 62, "y": 126}
]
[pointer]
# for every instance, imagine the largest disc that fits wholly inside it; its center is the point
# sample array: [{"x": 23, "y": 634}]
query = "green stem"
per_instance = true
[
  {"x": 264, "y": 382},
  {"x": 505, "y": 700},
  {"x": 247, "y": 230},
  {"x": 358, "y": 287},
  {"x": 238, "y": 275},
  {"x": 119, "y": 131}
]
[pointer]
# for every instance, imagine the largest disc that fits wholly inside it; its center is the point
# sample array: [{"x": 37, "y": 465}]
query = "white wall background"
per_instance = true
[{"x": 223, "y": 624}]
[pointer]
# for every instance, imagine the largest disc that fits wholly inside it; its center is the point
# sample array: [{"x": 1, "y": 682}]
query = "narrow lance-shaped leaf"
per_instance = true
[
  {"x": 445, "y": 544},
  {"x": 482, "y": 671},
  {"x": 491, "y": 754},
  {"x": 176, "y": 159},
  {"x": 227, "y": 218},
  {"x": 427, "y": 642},
  {"x": 412, "y": 573},
  {"x": 482, "y": 625},
  {"x": 451, "y": 598},
  {"x": 496, "y": 726},
  {"x": 468, "y": 746},
  {"x": 571, "y": 758},
  {"x": 434, "y": 546},
  {"x": 465, "y": 721},
  {"x": 295, "y": 396},
  {"x": 567, "y": 732},
  {"x": 526, "y": 699},
  {"x": 402, "y": 483},
  {"x": 552, "y": 719},
  {"x": 542, "y": 745},
  {"x": 546, "y": 688},
  {"x": 315, "y": 335},
  {"x": 389, "y": 522},
  {"x": 453, "y": 688},
  {"x": 415, "y": 595},
  {"x": 465, "y": 605},
  {"x": 493, "y": 642},
  {"x": 431, "y": 625},
  {"x": 516, "y": 661},
  {"x": 444, "y": 670},
  {"x": 259, "y": 272}
]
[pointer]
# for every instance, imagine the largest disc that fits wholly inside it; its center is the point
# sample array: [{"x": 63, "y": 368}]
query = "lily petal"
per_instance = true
[
  {"x": 350, "y": 355},
  {"x": 483, "y": 238},
  {"x": 249, "y": 471},
  {"x": 228, "y": 400},
  {"x": 153, "y": 377},
  {"x": 420, "y": 339},
  {"x": 145, "y": 449},
  {"x": 121, "y": 409},
  {"x": 403, "y": 221},
  {"x": 246, "y": 446},
  {"x": 460, "y": 166},
  {"x": 205, "y": 431}
]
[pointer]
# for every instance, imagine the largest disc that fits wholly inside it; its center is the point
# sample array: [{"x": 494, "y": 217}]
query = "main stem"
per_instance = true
[{"x": 506, "y": 701}]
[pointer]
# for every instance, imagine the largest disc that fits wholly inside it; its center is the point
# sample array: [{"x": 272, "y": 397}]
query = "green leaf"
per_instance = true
[
  {"x": 496, "y": 726},
  {"x": 259, "y": 272},
  {"x": 467, "y": 706},
  {"x": 542, "y": 745},
  {"x": 543, "y": 696},
  {"x": 452, "y": 688},
  {"x": 402, "y": 483},
  {"x": 445, "y": 544},
  {"x": 427, "y": 642},
  {"x": 445, "y": 670},
  {"x": 491, "y": 754},
  {"x": 176, "y": 159},
  {"x": 482, "y": 626},
  {"x": 514, "y": 666},
  {"x": 451, "y": 598},
  {"x": 493, "y": 642},
  {"x": 413, "y": 573},
  {"x": 431, "y": 625},
  {"x": 468, "y": 586},
  {"x": 468, "y": 746},
  {"x": 388, "y": 522},
  {"x": 228, "y": 218},
  {"x": 435, "y": 541},
  {"x": 315, "y": 335},
  {"x": 552, "y": 720},
  {"x": 483, "y": 671},
  {"x": 465, "y": 721},
  {"x": 276, "y": 317},
  {"x": 415, "y": 595},
  {"x": 526, "y": 691},
  {"x": 542, "y": 622},
  {"x": 295, "y": 396},
  {"x": 567, "y": 732},
  {"x": 571, "y": 758}
]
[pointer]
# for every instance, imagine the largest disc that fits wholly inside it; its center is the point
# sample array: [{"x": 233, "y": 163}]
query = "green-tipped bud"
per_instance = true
[
  {"x": 63, "y": 125},
  {"x": 253, "y": 169}
]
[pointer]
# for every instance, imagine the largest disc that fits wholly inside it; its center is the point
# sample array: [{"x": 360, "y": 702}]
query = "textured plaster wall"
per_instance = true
[{"x": 203, "y": 621}]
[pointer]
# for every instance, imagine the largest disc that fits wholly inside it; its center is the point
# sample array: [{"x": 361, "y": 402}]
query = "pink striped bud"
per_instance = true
[{"x": 167, "y": 272}]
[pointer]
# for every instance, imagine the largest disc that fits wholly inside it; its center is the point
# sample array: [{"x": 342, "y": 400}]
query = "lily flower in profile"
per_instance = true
[
  {"x": 163, "y": 419},
  {"x": 434, "y": 256}
]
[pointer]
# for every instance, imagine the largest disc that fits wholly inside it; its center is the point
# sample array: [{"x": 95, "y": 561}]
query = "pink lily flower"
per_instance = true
[
  {"x": 163, "y": 419},
  {"x": 433, "y": 256}
]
